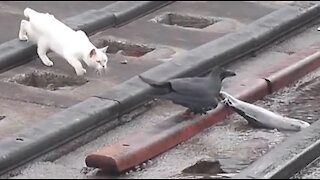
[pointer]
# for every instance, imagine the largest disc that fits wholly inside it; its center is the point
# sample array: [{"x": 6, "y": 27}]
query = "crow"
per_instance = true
[{"x": 198, "y": 94}]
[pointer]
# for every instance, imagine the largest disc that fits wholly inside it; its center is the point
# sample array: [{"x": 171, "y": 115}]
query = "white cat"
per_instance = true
[{"x": 51, "y": 34}]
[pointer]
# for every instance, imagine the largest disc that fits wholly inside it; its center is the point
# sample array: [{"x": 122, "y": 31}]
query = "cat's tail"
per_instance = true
[{"x": 28, "y": 12}]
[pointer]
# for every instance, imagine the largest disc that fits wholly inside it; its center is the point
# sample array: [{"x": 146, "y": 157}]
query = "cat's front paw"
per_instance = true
[
  {"x": 81, "y": 72},
  {"x": 23, "y": 37},
  {"x": 48, "y": 63}
]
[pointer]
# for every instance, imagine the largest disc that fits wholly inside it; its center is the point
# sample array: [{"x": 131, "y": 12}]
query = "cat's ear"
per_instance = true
[
  {"x": 104, "y": 50},
  {"x": 92, "y": 53}
]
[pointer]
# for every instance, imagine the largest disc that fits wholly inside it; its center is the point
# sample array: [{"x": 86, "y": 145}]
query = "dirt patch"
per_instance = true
[
  {"x": 123, "y": 47},
  {"x": 204, "y": 166},
  {"x": 186, "y": 20},
  {"x": 48, "y": 80}
]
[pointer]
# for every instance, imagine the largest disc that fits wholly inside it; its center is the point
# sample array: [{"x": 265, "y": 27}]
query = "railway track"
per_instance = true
[{"x": 155, "y": 127}]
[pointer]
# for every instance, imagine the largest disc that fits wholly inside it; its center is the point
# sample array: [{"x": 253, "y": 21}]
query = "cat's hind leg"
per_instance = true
[
  {"x": 42, "y": 52},
  {"x": 24, "y": 25}
]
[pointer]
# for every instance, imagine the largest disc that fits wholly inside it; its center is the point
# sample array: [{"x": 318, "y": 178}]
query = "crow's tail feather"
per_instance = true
[{"x": 164, "y": 87}]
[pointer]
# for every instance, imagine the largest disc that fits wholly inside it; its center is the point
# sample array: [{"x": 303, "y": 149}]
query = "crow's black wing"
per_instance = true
[{"x": 196, "y": 87}]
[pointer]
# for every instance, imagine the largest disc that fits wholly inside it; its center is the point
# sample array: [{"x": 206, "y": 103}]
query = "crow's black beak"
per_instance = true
[{"x": 227, "y": 73}]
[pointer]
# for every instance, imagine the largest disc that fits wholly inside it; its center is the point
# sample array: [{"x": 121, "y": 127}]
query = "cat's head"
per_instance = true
[{"x": 98, "y": 58}]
